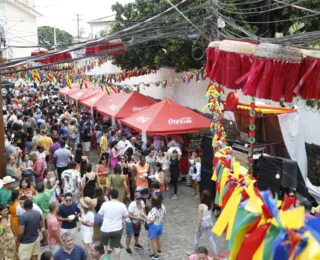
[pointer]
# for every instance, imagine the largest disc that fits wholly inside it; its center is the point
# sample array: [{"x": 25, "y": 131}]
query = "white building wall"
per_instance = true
[
  {"x": 96, "y": 28},
  {"x": 21, "y": 30}
]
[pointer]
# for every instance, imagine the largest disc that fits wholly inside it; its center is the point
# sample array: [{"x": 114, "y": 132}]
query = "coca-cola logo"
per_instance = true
[
  {"x": 143, "y": 119},
  {"x": 180, "y": 121},
  {"x": 135, "y": 109}
]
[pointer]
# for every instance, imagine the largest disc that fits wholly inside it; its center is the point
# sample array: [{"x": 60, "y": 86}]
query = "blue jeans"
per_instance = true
[{"x": 205, "y": 226}]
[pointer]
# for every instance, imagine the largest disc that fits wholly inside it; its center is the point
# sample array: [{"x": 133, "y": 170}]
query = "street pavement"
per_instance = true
[{"x": 178, "y": 231}]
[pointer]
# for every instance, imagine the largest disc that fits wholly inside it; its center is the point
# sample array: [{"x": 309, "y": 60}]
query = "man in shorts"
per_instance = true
[
  {"x": 28, "y": 233},
  {"x": 112, "y": 212}
]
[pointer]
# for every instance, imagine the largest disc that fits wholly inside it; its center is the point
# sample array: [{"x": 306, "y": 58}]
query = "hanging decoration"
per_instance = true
[
  {"x": 257, "y": 224},
  {"x": 187, "y": 78},
  {"x": 274, "y": 74},
  {"x": 252, "y": 133}
]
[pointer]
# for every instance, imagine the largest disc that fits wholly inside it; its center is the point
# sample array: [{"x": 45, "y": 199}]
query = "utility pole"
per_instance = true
[
  {"x": 78, "y": 19},
  {"x": 54, "y": 36},
  {"x": 3, "y": 161}
]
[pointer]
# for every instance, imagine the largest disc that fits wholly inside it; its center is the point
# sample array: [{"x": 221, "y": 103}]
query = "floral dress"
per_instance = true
[{"x": 7, "y": 241}]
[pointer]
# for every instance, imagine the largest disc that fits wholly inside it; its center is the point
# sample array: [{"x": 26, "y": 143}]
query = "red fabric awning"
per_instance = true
[
  {"x": 167, "y": 117},
  {"x": 78, "y": 94},
  {"x": 123, "y": 105},
  {"x": 89, "y": 93},
  {"x": 94, "y": 99}
]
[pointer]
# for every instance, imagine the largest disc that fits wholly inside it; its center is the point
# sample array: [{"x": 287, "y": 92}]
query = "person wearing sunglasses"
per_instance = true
[
  {"x": 133, "y": 222},
  {"x": 68, "y": 213}
]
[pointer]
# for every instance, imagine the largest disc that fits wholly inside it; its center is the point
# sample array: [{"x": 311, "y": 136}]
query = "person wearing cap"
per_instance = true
[
  {"x": 133, "y": 221},
  {"x": 5, "y": 190},
  {"x": 87, "y": 221}
]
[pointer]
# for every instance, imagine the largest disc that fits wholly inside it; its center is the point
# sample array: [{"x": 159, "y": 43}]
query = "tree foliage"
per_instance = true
[
  {"x": 46, "y": 37},
  {"x": 174, "y": 51},
  {"x": 177, "y": 51}
]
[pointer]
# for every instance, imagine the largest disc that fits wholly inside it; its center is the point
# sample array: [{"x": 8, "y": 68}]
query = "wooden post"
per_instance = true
[{"x": 3, "y": 161}]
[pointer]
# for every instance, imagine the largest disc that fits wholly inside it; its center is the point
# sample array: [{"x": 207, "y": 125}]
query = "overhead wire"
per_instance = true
[{"x": 86, "y": 44}]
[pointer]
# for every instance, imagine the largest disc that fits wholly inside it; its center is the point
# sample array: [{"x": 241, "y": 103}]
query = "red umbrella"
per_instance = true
[
  {"x": 105, "y": 99},
  {"x": 67, "y": 90},
  {"x": 94, "y": 99},
  {"x": 123, "y": 105},
  {"x": 89, "y": 93},
  {"x": 167, "y": 117}
]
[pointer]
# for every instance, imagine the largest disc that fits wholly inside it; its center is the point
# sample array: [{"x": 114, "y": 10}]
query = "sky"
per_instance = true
[{"x": 62, "y": 13}]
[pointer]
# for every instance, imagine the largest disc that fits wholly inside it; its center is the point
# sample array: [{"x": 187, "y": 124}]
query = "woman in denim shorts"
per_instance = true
[{"x": 155, "y": 220}]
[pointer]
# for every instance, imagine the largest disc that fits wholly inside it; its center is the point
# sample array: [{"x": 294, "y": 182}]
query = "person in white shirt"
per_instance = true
[
  {"x": 87, "y": 221},
  {"x": 71, "y": 181},
  {"x": 195, "y": 172},
  {"x": 112, "y": 212},
  {"x": 19, "y": 120},
  {"x": 20, "y": 208},
  {"x": 123, "y": 145},
  {"x": 134, "y": 220},
  {"x": 13, "y": 118}
]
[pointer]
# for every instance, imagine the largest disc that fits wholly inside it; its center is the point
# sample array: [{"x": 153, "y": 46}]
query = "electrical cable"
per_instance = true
[
  {"x": 279, "y": 21},
  {"x": 91, "y": 43},
  {"x": 88, "y": 44}
]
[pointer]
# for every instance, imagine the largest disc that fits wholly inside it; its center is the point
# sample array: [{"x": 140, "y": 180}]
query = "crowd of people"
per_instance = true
[{"x": 52, "y": 189}]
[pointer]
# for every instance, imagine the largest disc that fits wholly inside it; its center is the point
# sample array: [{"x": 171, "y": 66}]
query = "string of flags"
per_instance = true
[
  {"x": 77, "y": 71},
  {"x": 187, "y": 78}
]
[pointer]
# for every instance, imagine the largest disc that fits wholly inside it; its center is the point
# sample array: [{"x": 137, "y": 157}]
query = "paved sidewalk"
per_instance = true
[{"x": 179, "y": 228}]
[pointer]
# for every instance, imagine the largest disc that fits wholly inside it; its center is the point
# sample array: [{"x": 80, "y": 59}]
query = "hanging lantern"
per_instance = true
[
  {"x": 41, "y": 52},
  {"x": 212, "y": 54},
  {"x": 309, "y": 85},
  {"x": 60, "y": 57},
  {"x": 233, "y": 60},
  {"x": 274, "y": 73},
  {"x": 232, "y": 101},
  {"x": 118, "y": 46},
  {"x": 89, "y": 50}
]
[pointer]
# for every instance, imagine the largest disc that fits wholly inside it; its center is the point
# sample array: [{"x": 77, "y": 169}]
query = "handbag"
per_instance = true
[
  {"x": 136, "y": 227},
  {"x": 103, "y": 180}
]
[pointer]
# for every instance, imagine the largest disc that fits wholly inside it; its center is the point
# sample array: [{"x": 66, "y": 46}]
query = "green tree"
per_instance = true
[
  {"x": 172, "y": 51},
  {"x": 178, "y": 50},
  {"x": 46, "y": 37}
]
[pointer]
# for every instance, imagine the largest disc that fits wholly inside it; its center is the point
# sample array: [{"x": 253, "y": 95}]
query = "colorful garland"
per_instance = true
[{"x": 257, "y": 225}]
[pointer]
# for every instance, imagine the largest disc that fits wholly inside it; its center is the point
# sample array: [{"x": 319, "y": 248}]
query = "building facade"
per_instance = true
[
  {"x": 101, "y": 24},
  {"x": 19, "y": 22}
]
